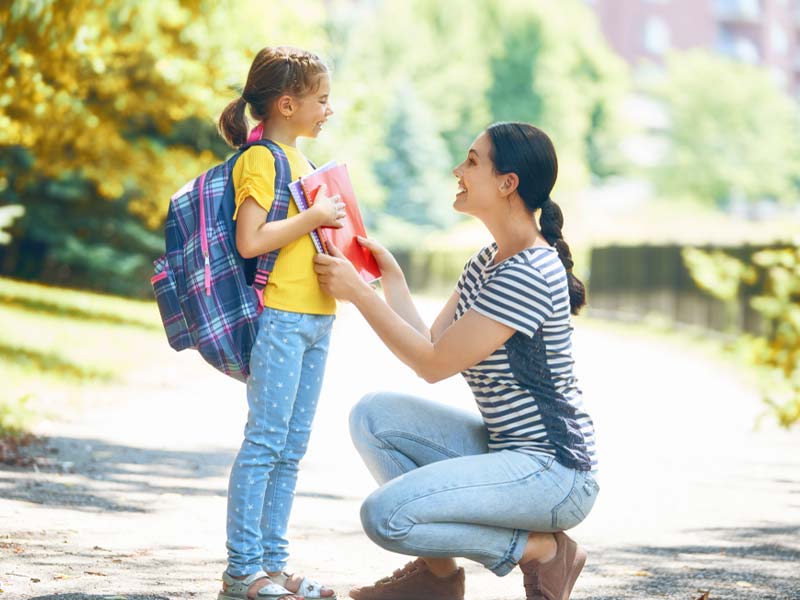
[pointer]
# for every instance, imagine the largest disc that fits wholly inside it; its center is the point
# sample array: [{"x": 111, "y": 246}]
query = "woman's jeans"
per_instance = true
[
  {"x": 286, "y": 365},
  {"x": 443, "y": 494}
]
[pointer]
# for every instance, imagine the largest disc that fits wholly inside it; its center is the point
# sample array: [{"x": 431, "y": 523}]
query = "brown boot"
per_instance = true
[
  {"x": 413, "y": 582},
  {"x": 554, "y": 579}
]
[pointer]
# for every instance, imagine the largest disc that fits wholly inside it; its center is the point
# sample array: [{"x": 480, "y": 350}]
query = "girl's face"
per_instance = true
[
  {"x": 313, "y": 109},
  {"x": 479, "y": 187}
]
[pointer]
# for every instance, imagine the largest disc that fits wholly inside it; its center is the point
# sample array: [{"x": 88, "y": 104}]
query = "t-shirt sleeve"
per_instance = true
[
  {"x": 518, "y": 296},
  {"x": 256, "y": 179}
]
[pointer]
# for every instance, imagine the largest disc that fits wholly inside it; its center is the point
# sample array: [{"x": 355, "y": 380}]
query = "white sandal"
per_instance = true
[
  {"x": 308, "y": 587},
  {"x": 236, "y": 589}
]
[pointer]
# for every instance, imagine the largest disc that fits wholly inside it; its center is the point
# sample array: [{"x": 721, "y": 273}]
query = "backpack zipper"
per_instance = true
[{"x": 204, "y": 236}]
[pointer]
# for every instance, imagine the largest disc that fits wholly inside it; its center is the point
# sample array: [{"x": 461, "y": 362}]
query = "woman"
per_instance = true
[{"x": 502, "y": 489}]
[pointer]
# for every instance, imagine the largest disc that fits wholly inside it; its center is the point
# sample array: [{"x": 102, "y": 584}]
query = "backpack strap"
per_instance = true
[{"x": 278, "y": 211}]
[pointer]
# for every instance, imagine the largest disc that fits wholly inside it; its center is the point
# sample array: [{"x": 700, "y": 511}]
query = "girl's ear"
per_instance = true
[
  {"x": 285, "y": 105},
  {"x": 509, "y": 183}
]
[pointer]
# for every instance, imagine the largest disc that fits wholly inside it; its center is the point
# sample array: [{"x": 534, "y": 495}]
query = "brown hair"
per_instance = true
[
  {"x": 525, "y": 150},
  {"x": 274, "y": 72}
]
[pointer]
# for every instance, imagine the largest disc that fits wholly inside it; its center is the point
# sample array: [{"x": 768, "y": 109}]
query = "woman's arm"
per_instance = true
[
  {"x": 254, "y": 236},
  {"x": 461, "y": 345}
]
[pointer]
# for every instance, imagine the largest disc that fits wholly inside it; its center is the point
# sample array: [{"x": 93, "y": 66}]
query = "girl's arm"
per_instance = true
[
  {"x": 461, "y": 345},
  {"x": 254, "y": 236}
]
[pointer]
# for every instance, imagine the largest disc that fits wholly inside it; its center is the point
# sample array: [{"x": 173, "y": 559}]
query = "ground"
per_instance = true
[{"x": 127, "y": 499}]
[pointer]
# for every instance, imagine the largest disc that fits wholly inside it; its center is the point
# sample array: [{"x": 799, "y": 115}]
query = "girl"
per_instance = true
[
  {"x": 499, "y": 490},
  {"x": 287, "y": 91}
]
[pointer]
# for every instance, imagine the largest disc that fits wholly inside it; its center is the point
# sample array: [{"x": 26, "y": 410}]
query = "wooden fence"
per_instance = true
[{"x": 633, "y": 282}]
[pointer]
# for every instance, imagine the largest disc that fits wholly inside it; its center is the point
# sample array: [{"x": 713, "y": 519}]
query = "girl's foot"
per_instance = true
[
  {"x": 258, "y": 586},
  {"x": 554, "y": 579},
  {"x": 302, "y": 586}
]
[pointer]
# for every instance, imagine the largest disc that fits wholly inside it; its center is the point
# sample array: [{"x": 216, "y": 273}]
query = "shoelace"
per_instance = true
[{"x": 399, "y": 573}]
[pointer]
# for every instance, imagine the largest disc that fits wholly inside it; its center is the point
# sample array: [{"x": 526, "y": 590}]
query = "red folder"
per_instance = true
[{"x": 337, "y": 181}]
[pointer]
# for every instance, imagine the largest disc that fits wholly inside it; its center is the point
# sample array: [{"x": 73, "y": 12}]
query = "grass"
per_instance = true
[{"x": 55, "y": 344}]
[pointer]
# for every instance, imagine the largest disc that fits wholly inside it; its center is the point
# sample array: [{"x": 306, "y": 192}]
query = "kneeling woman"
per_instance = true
[{"x": 500, "y": 489}]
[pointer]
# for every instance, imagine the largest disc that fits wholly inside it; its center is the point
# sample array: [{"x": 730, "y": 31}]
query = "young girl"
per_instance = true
[
  {"x": 287, "y": 91},
  {"x": 500, "y": 489}
]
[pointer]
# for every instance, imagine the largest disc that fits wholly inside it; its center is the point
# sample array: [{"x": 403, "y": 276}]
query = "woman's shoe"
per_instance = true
[
  {"x": 413, "y": 582},
  {"x": 554, "y": 579}
]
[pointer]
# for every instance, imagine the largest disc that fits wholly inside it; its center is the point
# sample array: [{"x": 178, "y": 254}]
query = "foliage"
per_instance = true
[
  {"x": 777, "y": 353},
  {"x": 105, "y": 109},
  {"x": 732, "y": 134}
]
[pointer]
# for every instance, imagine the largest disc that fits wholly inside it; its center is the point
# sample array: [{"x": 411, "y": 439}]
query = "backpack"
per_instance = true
[{"x": 209, "y": 296}]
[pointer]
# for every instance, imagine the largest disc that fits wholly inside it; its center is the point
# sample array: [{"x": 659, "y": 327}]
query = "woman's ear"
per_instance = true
[{"x": 509, "y": 183}]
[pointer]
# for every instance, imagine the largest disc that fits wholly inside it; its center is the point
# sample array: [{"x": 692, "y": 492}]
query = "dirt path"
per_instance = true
[{"x": 132, "y": 503}]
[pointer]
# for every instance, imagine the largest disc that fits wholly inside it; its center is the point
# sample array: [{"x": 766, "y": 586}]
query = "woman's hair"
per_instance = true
[
  {"x": 274, "y": 72},
  {"x": 525, "y": 150}
]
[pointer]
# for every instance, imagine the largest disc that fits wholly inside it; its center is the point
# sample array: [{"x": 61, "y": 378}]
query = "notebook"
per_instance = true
[{"x": 337, "y": 180}]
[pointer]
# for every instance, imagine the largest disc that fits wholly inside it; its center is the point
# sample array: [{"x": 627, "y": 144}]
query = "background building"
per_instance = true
[{"x": 760, "y": 32}]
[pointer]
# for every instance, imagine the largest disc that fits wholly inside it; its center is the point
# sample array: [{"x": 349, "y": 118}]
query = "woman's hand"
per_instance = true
[
  {"x": 387, "y": 263},
  {"x": 327, "y": 210},
  {"x": 338, "y": 278}
]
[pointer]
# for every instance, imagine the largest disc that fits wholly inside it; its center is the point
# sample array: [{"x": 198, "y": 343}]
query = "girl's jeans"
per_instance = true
[
  {"x": 443, "y": 494},
  {"x": 286, "y": 365}
]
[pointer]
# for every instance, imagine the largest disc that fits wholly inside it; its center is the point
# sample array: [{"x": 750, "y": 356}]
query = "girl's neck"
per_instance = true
[{"x": 280, "y": 130}]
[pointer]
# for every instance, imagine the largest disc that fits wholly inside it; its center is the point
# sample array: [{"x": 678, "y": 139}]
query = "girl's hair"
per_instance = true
[
  {"x": 525, "y": 150},
  {"x": 274, "y": 72}
]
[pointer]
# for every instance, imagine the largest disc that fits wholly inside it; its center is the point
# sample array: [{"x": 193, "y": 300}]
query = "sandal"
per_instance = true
[
  {"x": 308, "y": 587},
  {"x": 236, "y": 589}
]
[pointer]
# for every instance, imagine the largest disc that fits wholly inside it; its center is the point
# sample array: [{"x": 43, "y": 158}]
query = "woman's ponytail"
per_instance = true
[
  {"x": 233, "y": 123},
  {"x": 551, "y": 220}
]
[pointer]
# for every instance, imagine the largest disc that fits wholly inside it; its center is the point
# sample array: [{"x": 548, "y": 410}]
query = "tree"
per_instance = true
[
  {"x": 115, "y": 102},
  {"x": 732, "y": 133}
]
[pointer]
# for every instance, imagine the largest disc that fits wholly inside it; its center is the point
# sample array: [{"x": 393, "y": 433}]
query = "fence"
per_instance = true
[{"x": 632, "y": 282}]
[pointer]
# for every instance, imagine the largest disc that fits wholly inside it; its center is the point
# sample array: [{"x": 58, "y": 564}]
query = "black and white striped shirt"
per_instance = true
[{"x": 526, "y": 390}]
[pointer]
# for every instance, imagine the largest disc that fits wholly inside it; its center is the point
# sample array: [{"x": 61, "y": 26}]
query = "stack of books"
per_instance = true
[{"x": 337, "y": 181}]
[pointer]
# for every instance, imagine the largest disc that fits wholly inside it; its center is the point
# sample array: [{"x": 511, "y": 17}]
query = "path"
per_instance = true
[{"x": 132, "y": 507}]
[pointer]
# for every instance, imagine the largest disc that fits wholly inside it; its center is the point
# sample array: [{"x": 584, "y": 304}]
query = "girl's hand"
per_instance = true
[
  {"x": 338, "y": 278},
  {"x": 328, "y": 210},
  {"x": 386, "y": 262}
]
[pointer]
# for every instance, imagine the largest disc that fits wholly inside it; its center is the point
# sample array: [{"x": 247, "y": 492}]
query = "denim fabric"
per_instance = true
[
  {"x": 443, "y": 494},
  {"x": 287, "y": 366}
]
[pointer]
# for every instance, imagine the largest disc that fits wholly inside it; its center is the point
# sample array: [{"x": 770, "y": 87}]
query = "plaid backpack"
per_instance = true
[{"x": 209, "y": 296}]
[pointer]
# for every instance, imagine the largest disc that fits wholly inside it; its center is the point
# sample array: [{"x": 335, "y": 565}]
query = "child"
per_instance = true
[{"x": 287, "y": 91}]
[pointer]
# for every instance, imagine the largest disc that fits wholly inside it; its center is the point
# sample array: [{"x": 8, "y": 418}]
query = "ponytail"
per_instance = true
[
  {"x": 233, "y": 123},
  {"x": 551, "y": 220}
]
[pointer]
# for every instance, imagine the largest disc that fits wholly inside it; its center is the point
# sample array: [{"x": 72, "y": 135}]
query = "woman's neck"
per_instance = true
[
  {"x": 513, "y": 234},
  {"x": 280, "y": 130}
]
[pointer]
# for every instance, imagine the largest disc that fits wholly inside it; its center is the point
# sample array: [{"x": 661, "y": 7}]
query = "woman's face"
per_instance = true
[{"x": 478, "y": 184}]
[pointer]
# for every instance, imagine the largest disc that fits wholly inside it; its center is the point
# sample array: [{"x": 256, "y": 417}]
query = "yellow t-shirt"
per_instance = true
[{"x": 293, "y": 284}]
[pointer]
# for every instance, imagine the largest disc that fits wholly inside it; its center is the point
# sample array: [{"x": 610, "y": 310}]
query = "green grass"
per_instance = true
[{"x": 56, "y": 343}]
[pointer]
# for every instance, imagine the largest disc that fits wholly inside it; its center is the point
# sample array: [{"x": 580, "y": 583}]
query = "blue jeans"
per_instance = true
[
  {"x": 443, "y": 494},
  {"x": 287, "y": 366}
]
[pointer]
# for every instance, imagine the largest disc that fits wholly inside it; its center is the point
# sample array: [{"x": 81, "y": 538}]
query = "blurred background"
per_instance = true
[{"x": 677, "y": 125}]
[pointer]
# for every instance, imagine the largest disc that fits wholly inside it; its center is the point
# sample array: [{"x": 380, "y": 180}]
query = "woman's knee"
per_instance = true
[
  {"x": 364, "y": 414},
  {"x": 375, "y": 520}
]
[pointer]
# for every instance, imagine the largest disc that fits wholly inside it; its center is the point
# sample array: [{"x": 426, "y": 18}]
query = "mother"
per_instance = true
[{"x": 502, "y": 489}]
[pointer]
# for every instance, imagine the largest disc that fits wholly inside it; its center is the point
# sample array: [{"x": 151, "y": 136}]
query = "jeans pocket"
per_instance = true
[
  {"x": 284, "y": 317},
  {"x": 574, "y": 508}
]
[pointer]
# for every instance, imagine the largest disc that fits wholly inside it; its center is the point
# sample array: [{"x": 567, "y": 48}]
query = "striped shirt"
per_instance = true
[{"x": 526, "y": 390}]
